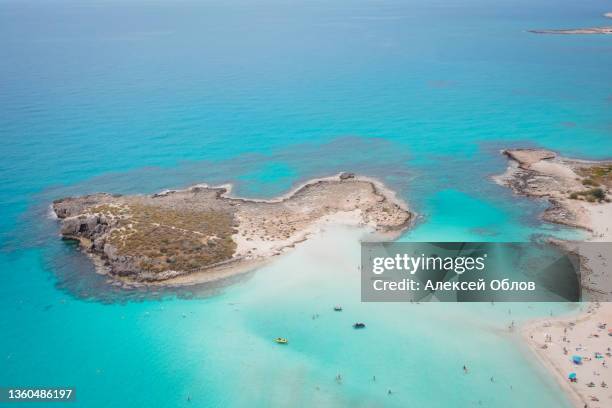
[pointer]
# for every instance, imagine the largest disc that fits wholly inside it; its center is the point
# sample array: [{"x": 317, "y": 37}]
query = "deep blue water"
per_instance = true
[{"x": 137, "y": 96}]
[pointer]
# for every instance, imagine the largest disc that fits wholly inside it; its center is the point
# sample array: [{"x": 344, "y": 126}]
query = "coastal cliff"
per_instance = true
[{"x": 202, "y": 233}]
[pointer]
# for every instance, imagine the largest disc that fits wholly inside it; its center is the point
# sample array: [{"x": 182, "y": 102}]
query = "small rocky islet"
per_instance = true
[{"x": 202, "y": 234}]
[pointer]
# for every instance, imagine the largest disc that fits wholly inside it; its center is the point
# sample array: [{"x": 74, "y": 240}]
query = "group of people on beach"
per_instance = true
[{"x": 583, "y": 355}]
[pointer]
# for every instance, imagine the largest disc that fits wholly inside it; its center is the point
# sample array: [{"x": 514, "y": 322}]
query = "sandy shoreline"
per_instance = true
[{"x": 554, "y": 341}]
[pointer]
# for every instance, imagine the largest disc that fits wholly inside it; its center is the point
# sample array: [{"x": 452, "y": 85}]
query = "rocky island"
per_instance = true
[{"x": 202, "y": 234}]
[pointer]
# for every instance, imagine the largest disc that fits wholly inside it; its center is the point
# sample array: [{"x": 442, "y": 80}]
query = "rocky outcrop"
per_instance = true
[{"x": 571, "y": 187}]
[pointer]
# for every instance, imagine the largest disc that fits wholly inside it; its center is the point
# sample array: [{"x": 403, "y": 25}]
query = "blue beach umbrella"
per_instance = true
[
  {"x": 577, "y": 359},
  {"x": 572, "y": 376}
]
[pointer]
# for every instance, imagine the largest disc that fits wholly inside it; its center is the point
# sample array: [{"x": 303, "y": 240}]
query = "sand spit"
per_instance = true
[
  {"x": 578, "y": 193},
  {"x": 201, "y": 234},
  {"x": 574, "y": 31},
  {"x": 589, "y": 30}
]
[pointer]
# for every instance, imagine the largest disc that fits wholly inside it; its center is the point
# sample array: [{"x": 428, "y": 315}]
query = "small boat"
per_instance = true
[
  {"x": 338, "y": 308},
  {"x": 281, "y": 340},
  {"x": 359, "y": 325}
]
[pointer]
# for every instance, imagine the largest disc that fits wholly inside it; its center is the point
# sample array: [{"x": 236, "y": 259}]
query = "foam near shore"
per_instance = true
[
  {"x": 202, "y": 233},
  {"x": 578, "y": 194}
]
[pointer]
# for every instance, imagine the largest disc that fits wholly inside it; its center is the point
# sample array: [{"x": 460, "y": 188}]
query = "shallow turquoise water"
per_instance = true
[{"x": 140, "y": 96}]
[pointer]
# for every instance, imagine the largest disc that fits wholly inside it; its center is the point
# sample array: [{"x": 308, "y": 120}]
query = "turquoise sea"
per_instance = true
[{"x": 138, "y": 96}]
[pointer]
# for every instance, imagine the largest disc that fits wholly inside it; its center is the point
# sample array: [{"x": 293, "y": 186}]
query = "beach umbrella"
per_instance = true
[
  {"x": 577, "y": 359},
  {"x": 572, "y": 376}
]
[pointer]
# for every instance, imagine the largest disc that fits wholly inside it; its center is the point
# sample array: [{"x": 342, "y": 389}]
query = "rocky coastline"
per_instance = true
[
  {"x": 576, "y": 190},
  {"x": 579, "y": 195}
]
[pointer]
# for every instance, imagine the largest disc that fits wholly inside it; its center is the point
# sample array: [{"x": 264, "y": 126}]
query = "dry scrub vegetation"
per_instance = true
[
  {"x": 598, "y": 179},
  {"x": 166, "y": 239}
]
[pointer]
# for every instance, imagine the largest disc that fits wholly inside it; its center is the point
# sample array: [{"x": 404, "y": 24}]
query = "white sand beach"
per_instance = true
[{"x": 556, "y": 341}]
